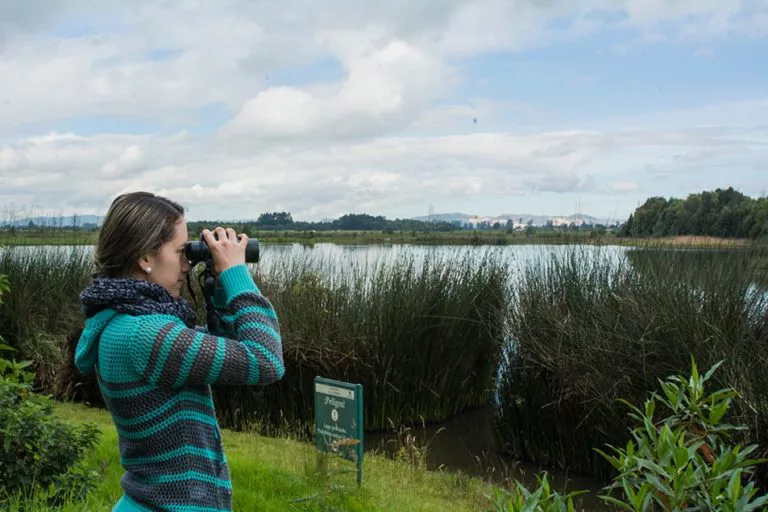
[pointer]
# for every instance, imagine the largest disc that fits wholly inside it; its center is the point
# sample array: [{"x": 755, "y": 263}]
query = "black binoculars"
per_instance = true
[{"x": 198, "y": 252}]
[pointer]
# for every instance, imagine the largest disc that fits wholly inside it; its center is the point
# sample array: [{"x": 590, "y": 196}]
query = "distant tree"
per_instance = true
[
  {"x": 722, "y": 212},
  {"x": 281, "y": 219}
]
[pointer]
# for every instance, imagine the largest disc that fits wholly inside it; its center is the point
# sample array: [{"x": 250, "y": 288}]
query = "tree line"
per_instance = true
[
  {"x": 725, "y": 213},
  {"x": 283, "y": 221}
]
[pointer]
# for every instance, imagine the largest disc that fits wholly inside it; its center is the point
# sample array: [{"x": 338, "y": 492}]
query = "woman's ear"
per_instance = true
[{"x": 145, "y": 265}]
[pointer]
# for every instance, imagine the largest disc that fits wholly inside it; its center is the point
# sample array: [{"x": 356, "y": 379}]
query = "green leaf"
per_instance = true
[
  {"x": 614, "y": 501},
  {"x": 713, "y": 369},
  {"x": 718, "y": 411},
  {"x": 734, "y": 484},
  {"x": 533, "y": 501},
  {"x": 758, "y": 504}
]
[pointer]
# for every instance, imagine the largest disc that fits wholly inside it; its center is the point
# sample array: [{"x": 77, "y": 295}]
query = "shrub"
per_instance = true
[
  {"x": 541, "y": 499},
  {"x": 682, "y": 461},
  {"x": 685, "y": 461},
  {"x": 38, "y": 452}
]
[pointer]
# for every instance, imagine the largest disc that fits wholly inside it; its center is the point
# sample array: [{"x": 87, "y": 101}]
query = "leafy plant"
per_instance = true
[
  {"x": 541, "y": 499},
  {"x": 37, "y": 450},
  {"x": 684, "y": 461}
]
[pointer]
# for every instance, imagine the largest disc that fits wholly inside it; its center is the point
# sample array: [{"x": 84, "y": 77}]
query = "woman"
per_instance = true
[{"x": 155, "y": 368}]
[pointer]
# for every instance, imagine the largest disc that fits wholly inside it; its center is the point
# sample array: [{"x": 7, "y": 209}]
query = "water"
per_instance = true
[
  {"x": 326, "y": 254},
  {"x": 467, "y": 443}
]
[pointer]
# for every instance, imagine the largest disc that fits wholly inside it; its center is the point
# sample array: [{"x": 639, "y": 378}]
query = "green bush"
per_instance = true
[
  {"x": 685, "y": 461},
  {"x": 541, "y": 499},
  {"x": 38, "y": 452}
]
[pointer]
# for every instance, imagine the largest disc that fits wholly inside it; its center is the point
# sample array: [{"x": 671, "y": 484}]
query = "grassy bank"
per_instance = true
[
  {"x": 588, "y": 330},
  {"x": 278, "y": 474},
  {"x": 486, "y": 237}
]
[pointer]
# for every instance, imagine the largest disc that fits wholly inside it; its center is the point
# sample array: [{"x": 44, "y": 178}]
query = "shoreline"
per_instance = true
[{"x": 477, "y": 238}]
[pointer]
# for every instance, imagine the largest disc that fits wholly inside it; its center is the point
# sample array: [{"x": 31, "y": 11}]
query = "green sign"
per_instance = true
[{"x": 339, "y": 420}]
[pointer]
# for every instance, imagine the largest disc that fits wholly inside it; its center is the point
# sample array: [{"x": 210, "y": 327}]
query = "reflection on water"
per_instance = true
[
  {"x": 467, "y": 443},
  {"x": 271, "y": 254}
]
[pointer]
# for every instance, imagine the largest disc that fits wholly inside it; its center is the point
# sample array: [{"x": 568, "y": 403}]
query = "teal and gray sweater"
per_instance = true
[{"x": 155, "y": 375}]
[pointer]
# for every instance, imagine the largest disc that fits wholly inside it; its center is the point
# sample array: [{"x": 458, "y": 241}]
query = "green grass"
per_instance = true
[
  {"x": 462, "y": 237},
  {"x": 48, "y": 237},
  {"x": 280, "y": 474}
]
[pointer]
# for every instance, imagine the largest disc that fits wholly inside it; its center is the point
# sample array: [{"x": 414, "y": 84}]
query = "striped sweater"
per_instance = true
[{"x": 155, "y": 375}]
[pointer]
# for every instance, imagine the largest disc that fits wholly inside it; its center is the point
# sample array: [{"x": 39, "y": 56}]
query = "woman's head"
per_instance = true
[{"x": 143, "y": 236}]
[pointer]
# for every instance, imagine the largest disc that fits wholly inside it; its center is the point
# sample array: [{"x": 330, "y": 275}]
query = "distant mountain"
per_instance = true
[
  {"x": 517, "y": 218},
  {"x": 64, "y": 221},
  {"x": 464, "y": 218}
]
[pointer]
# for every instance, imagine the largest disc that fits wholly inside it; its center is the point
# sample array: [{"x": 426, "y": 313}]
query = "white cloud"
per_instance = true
[
  {"x": 384, "y": 88},
  {"x": 216, "y": 178},
  {"x": 625, "y": 186},
  {"x": 129, "y": 160},
  {"x": 222, "y": 52},
  {"x": 352, "y": 143}
]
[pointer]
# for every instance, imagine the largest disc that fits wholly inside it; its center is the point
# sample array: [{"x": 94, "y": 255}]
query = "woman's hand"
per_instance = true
[{"x": 227, "y": 248}]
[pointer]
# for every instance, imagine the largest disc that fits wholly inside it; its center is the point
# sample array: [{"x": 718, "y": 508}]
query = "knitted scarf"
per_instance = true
[{"x": 134, "y": 297}]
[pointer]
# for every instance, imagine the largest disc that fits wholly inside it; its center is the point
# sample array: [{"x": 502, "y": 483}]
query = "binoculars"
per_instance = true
[{"x": 198, "y": 252}]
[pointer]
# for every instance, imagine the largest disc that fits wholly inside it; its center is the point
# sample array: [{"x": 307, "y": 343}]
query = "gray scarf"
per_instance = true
[{"x": 134, "y": 297}]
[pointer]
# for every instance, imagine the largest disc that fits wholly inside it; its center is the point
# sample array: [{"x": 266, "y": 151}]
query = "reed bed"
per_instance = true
[
  {"x": 588, "y": 329},
  {"x": 551, "y": 348},
  {"x": 423, "y": 337},
  {"x": 42, "y": 310}
]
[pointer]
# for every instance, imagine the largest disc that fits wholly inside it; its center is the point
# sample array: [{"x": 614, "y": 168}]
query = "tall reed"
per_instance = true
[
  {"x": 422, "y": 336},
  {"x": 589, "y": 329},
  {"x": 42, "y": 309}
]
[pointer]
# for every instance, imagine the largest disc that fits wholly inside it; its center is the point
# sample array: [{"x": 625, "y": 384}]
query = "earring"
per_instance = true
[{"x": 148, "y": 270}]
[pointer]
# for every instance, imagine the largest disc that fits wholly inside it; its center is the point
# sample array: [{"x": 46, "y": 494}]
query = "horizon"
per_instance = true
[
  {"x": 398, "y": 110},
  {"x": 511, "y": 215}
]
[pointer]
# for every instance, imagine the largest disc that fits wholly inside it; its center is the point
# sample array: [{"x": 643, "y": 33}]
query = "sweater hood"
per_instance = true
[{"x": 87, "y": 351}]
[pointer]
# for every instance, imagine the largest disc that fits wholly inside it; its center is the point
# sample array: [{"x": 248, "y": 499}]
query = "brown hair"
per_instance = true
[{"x": 137, "y": 224}]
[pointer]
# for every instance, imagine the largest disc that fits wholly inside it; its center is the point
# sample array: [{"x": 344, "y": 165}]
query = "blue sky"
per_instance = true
[{"x": 480, "y": 106}]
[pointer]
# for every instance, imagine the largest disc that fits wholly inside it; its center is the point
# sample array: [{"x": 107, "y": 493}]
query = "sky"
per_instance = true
[{"x": 398, "y": 108}]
